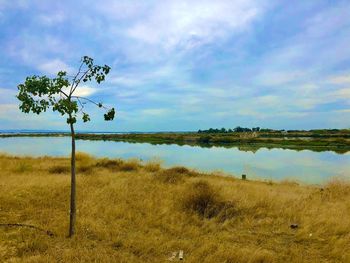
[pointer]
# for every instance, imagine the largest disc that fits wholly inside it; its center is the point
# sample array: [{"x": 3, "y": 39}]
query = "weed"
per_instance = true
[
  {"x": 119, "y": 165},
  {"x": 23, "y": 167},
  {"x": 152, "y": 166},
  {"x": 59, "y": 169},
  {"x": 86, "y": 169},
  {"x": 202, "y": 199},
  {"x": 130, "y": 165},
  {"x": 174, "y": 175}
]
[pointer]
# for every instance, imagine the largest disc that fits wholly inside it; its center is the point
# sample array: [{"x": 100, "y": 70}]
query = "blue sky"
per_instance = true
[{"x": 185, "y": 65}]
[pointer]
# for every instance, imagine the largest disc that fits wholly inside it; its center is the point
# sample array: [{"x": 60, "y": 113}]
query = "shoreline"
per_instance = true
[
  {"x": 339, "y": 143},
  {"x": 193, "y": 171}
]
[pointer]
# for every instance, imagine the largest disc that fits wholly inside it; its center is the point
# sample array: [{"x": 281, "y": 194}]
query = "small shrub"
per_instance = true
[
  {"x": 117, "y": 245},
  {"x": 119, "y": 165},
  {"x": 289, "y": 182},
  {"x": 179, "y": 170},
  {"x": 59, "y": 169},
  {"x": 202, "y": 199},
  {"x": 109, "y": 164},
  {"x": 31, "y": 247},
  {"x": 336, "y": 189},
  {"x": 152, "y": 166},
  {"x": 130, "y": 165},
  {"x": 83, "y": 157},
  {"x": 87, "y": 169},
  {"x": 23, "y": 167},
  {"x": 204, "y": 139},
  {"x": 169, "y": 177},
  {"x": 174, "y": 175}
]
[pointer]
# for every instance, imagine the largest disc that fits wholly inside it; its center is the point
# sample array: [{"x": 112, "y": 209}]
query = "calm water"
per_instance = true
[{"x": 276, "y": 164}]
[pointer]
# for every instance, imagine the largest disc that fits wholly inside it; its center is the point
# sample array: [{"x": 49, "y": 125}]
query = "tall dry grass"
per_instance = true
[{"x": 135, "y": 212}]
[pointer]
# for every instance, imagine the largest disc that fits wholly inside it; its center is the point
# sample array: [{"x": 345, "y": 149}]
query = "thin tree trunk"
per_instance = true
[{"x": 72, "y": 215}]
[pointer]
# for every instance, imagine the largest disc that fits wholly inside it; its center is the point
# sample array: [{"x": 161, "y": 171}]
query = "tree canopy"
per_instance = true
[{"x": 39, "y": 93}]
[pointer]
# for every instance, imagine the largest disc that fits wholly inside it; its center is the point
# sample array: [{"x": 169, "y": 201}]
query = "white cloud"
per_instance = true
[
  {"x": 11, "y": 112},
  {"x": 343, "y": 111},
  {"x": 341, "y": 94},
  {"x": 145, "y": 76},
  {"x": 269, "y": 100},
  {"x": 308, "y": 88},
  {"x": 7, "y": 96},
  {"x": 156, "y": 112},
  {"x": 4, "y": 4},
  {"x": 83, "y": 91},
  {"x": 130, "y": 8},
  {"x": 185, "y": 24},
  {"x": 308, "y": 103},
  {"x": 126, "y": 81},
  {"x": 35, "y": 50},
  {"x": 321, "y": 45},
  {"x": 328, "y": 21},
  {"x": 340, "y": 79},
  {"x": 273, "y": 78},
  {"x": 259, "y": 114},
  {"x": 5, "y": 109},
  {"x": 54, "y": 66},
  {"x": 52, "y": 19}
]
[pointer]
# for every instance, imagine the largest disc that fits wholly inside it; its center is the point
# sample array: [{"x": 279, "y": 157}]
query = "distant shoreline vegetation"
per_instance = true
[
  {"x": 237, "y": 129},
  {"x": 266, "y": 130},
  {"x": 337, "y": 140}
]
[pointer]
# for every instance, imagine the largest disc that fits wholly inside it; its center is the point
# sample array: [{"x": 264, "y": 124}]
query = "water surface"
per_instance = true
[{"x": 275, "y": 164}]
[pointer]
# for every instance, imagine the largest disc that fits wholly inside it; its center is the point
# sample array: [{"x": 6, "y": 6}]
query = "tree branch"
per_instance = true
[
  {"x": 75, "y": 77},
  {"x": 78, "y": 81},
  {"x": 65, "y": 94},
  {"x": 89, "y": 100},
  {"x": 81, "y": 105}
]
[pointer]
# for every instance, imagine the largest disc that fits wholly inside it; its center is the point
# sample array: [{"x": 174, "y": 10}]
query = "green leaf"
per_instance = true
[
  {"x": 71, "y": 120},
  {"x": 109, "y": 116},
  {"x": 86, "y": 117}
]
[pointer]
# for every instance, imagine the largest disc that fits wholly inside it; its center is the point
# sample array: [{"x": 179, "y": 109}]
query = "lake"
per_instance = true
[{"x": 268, "y": 164}]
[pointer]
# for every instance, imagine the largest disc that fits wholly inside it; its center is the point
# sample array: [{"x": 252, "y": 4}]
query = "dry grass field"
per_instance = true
[{"x": 130, "y": 211}]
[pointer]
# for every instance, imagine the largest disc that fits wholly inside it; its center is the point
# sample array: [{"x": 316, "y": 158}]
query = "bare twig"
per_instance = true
[
  {"x": 78, "y": 81},
  {"x": 81, "y": 104},
  {"x": 75, "y": 77},
  {"x": 89, "y": 100}
]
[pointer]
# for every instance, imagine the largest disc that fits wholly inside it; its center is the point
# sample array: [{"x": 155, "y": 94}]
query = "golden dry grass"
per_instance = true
[{"x": 134, "y": 212}]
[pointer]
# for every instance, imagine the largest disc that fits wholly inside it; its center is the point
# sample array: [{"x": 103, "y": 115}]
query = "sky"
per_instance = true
[{"x": 183, "y": 65}]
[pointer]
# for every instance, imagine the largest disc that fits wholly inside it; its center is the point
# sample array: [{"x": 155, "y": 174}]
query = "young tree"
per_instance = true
[{"x": 39, "y": 93}]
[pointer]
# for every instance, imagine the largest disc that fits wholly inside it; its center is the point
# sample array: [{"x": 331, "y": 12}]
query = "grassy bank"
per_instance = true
[{"x": 139, "y": 212}]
